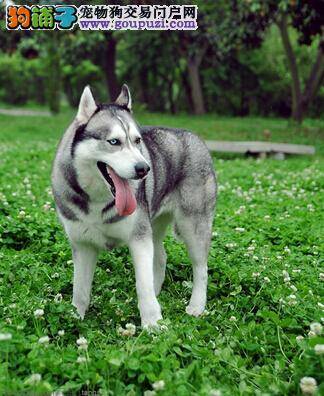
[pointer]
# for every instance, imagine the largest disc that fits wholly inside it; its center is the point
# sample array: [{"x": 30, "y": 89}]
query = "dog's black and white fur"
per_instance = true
[{"x": 180, "y": 188}]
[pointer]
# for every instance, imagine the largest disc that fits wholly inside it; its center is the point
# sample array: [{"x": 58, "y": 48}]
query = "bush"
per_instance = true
[
  {"x": 21, "y": 79},
  {"x": 75, "y": 78}
]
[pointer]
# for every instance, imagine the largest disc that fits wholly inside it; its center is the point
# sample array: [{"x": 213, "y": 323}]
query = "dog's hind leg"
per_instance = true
[
  {"x": 159, "y": 226},
  {"x": 196, "y": 232},
  {"x": 84, "y": 260}
]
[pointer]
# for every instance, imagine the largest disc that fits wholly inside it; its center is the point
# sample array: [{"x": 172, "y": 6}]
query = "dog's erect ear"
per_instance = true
[
  {"x": 124, "y": 99},
  {"x": 87, "y": 106}
]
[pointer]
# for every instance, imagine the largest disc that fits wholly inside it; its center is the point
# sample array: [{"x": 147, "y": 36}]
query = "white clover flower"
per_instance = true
[
  {"x": 296, "y": 271},
  {"x": 311, "y": 334},
  {"x": 215, "y": 392},
  {"x": 149, "y": 393},
  {"x": 299, "y": 338},
  {"x": 158, "y": 385},
  {"x": 266, "y": 279},
  {"x": 82, "y": 343},
  {"x": 255, "y": 258},
  {"x": 56, "y": 275},
  {"x": 230, "y": 245},
  {"x": 319, "y": 349},
  {"x": 308, "y": 385},
  {"x": 239, "y": 229},
  {"x": 5, "y": 336},
  {"x": 233, "y": 319},
  {"x": 44, "y": 340},
  {"x": 21, "y": 214},
  {"x": 292, "y": 299},
  {"x": 279, "y": 257},
  {"x": 293, "y": 288},
  {"x": 61, "y": 333},
  {"x": 266, "y": 217},
  {"x": 215, "y": 234},
  {"x": 69, "y": 262},
  {"x": 33, "y": 379},
  {"x": 316, "y": 328},
  {"x": 58, "y": 298},
  {"x": 255, "y": 274},
  {"x": 251, "y": 248},
  {"x": 47, "y": 206},
  {"x": 287, "y": 250},
  {"x": 38, "y": 313},
  {"x": 81, "y": 359},
  {"x": 320, "y": 305},
  {"x": 321, "y": 276},
  {"x": 129, "y": 331}
]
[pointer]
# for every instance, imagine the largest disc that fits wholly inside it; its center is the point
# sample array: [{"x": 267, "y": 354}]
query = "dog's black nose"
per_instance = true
[{"x": 141, "y": 169}]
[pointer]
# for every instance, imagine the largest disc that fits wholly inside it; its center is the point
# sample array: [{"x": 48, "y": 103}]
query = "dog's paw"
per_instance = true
[
  {"x": 195, "y": 310},
  {"x": 80, "y": 310}
]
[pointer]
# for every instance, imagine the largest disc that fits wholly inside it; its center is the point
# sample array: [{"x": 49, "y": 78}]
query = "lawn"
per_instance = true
[{"x": 265, "y": 292}]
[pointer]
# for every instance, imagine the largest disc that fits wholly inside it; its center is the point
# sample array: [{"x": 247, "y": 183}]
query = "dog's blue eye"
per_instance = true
[{"x": 114, "y": 142}]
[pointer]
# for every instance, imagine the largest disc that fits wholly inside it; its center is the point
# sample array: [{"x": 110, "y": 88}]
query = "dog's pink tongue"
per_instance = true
[{"x": 125, "y": 198}]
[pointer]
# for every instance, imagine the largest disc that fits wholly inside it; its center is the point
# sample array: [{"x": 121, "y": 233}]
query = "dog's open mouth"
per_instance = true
[{"x": 125, "y": 200}]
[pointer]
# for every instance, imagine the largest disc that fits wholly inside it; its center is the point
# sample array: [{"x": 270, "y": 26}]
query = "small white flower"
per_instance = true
[
  {"x": 233, "y": 319},
  {"x": 149, "y": 393},
  {"x": 215, "y": 234},
  {"x": 321, "y": 276},
  {"x": 131, "y": 328},
  {"x": 320, "y": 305},
  {"x": 316, "y": 328},
  {"x": 5, "y": 336},
  {"x": 296, "y": 271},
  {"x": 230, "y": 245},
  {"x": 287, "y": 250},
  {"x": 47, "y": 206},
  {"x": 293, "y": 288},
  {"x": 319, "y": 349},
  {"x": 251, "y": 248},
  {"x": 255, "y": 274},
  {"x": 22, "y": 214},
  {"x": 299, "y": 338},
  {"x": 69, "y": 262},
  {"x": 239, "y": 229},
  {"x": 292, "y": 299},
  {"x": 38, "y": 313},
  {"x": 82, "y": 343},
  {"x": 215, "y": 392},
  {"x": 266, "y": 279},
  {"x": 158, "y": 385},
  {"x": 61, "y": 333},
  {"x": 58, "y": 298},
  {"x": 308, "y": 385},
  {"x": 266, "y": 217},
  {"x": 81, "y": 359},
  {"x": 44, "y": 340},
  {"x": 311, "y": 334},
  {"x": 33, "y": 379},
  {"x": 55, "y": 275},
  {"x": 255, "y": 258}
]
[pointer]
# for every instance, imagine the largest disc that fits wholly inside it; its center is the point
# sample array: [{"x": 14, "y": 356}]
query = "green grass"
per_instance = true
[{"x": 269, "y": 220}]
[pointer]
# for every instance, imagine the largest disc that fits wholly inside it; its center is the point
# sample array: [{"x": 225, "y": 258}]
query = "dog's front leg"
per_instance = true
[
  {"x": 84, "y": 260},
  {"x": 142, "y": 254}
]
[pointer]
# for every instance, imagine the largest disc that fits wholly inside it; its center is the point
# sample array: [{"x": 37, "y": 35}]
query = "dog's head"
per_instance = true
[{"x": 109, "y": 139}]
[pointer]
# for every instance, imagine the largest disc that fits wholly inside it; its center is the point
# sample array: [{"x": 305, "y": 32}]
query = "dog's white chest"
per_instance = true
[{"x": 93, "y": 230}]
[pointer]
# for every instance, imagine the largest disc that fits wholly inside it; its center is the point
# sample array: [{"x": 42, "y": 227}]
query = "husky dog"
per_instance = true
[{"x": 115, "y": 183}]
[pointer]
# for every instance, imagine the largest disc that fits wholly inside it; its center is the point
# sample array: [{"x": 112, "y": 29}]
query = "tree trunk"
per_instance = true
[
  {"x": 53, "y": 71},
  {"x": 314, "y": 80},
  {"x": 195, "y": 86},
  {"x": 110, "y": 66},
  {"x": 292, "y": 64}
]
